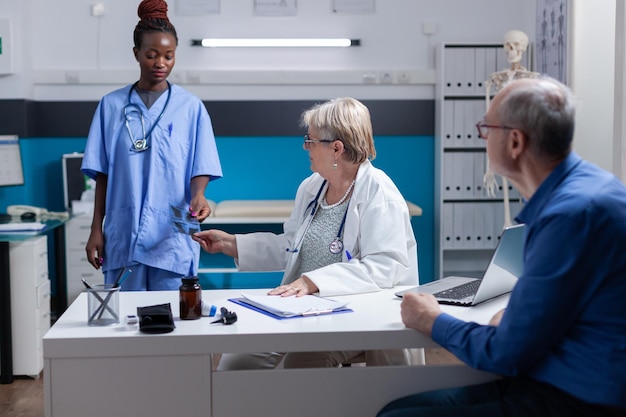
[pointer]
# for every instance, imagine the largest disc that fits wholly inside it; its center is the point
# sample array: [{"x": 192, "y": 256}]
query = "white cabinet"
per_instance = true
[
  {"x": 30, "y": 303},
  {"x": 468, "y": 222},
  {"x": 77, "y": 231}
]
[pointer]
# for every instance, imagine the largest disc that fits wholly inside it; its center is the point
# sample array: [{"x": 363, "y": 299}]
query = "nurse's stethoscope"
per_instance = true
[
  {"x": 133, "y": 110},
  {"x": 336, "y": 246}
]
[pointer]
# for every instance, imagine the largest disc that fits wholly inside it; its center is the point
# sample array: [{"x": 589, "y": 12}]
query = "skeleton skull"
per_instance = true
[{"x": 515, "y": 43}]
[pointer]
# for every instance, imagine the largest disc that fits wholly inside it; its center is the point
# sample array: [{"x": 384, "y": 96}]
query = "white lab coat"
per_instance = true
[{"x": 377, "y": 236}]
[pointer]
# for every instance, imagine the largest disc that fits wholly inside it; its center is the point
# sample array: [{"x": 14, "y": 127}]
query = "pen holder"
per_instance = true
[{"x": 103, "y": 305}]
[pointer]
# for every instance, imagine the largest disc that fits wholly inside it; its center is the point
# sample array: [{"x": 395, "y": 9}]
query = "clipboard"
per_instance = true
[{"x": 268, "y": 310}]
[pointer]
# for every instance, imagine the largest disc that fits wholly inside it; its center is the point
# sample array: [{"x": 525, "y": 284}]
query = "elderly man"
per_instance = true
[{"x": 560, "y": 346}]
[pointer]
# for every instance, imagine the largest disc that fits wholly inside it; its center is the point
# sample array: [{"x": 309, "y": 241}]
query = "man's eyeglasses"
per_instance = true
[
  {"x": 483, "y": 129},
  {"x": 308, "y": 141}
]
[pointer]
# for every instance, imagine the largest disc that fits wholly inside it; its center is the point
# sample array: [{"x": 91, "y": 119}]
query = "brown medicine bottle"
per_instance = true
[{"x": 190, "y": 299}]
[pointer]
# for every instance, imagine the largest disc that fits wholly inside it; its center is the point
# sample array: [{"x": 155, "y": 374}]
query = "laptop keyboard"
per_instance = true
[{"x": 462, "y": 291}]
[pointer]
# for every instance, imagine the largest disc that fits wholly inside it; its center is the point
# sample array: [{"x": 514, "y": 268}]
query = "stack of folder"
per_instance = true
[{"x": 22, "y": 228}]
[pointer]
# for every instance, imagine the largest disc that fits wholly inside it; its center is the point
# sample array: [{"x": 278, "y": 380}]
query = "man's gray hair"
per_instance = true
[{"x": 544, "y": 109}]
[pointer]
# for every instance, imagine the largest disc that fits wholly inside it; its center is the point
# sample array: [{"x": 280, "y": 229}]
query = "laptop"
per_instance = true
[{"x": 499, "y": 278}]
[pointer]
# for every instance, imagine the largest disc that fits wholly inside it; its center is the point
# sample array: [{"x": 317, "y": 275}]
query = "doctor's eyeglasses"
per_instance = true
[
  {"x": 483, "y": 129},
  {"x": 308, "y": 141}
]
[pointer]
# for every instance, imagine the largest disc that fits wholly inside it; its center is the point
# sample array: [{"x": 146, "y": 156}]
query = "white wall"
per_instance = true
[
  {"x": 59, "y": 41},
  {"x": 56, "y": 39},
  {"x": 20, "y": 83},
  {"x": 593, "y": 79},
  {"x": 619, "y": 122}
]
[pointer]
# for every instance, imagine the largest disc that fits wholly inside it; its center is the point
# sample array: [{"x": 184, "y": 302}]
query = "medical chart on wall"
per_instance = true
[
  {"x": 353, "y": 6},
  {"x": 197, "y": 7},
  {"x": 11, "y": 172},
  {"x": 551, "y": 38},
  {"x": 275, "y": 7}
]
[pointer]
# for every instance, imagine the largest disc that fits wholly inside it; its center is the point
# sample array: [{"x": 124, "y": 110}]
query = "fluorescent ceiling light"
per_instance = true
[{"x": 275, "y": 43}]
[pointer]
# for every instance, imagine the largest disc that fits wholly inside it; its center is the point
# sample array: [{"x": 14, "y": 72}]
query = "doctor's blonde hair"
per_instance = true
[{"x": 347, "y": 120}]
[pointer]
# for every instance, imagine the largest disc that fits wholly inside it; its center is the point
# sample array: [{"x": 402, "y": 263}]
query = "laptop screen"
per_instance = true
[{"x": 508, "y": 254}]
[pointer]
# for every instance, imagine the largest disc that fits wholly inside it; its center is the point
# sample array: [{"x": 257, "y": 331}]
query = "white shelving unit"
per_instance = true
[
  {"x": 468, "y": 221},
  {"x": 30, "y": 303}
]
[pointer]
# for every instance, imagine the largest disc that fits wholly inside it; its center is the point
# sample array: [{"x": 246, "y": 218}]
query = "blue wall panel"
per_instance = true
[{"x": 254, "y": 168}]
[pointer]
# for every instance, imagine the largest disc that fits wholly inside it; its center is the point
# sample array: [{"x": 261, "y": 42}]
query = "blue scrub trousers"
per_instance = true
[{"x": 145, "y": 278}]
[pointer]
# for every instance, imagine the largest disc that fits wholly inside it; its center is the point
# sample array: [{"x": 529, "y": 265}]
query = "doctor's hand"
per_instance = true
[
  {"x": 301, "y": 286},
  {"x": 199, "y": 208},
  {"x": 95, "y": 248},
  {"x": 217, "y": 241},
  {"x": 419, "y": 312}
]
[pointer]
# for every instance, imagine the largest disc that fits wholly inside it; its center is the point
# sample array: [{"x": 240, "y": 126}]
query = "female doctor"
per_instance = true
[
  {"x": 349, "y": 232},
  {"x": 150, "y": 148}
]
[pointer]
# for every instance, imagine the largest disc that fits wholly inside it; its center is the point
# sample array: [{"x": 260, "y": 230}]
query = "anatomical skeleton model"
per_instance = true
[{"x": 515, "y": 44}]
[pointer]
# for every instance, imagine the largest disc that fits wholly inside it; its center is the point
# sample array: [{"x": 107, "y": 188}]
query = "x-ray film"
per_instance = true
[{"x": 183, "y": 221}]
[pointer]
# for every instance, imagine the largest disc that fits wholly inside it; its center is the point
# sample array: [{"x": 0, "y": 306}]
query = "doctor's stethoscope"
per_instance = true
[
  {"x": 140, "y": 145},
  {"x": 336, "y": 246}
]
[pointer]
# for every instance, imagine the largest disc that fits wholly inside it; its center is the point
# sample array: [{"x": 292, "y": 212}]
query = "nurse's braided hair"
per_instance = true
[{"x": 153, "y": 18}]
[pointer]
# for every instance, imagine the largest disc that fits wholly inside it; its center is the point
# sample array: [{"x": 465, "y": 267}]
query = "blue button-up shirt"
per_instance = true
[{"x": 566, "y": 319}]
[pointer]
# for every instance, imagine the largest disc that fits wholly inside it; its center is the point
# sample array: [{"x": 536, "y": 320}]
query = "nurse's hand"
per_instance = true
[
  {"x": 199, "y": 208},
  {"x": 217, "y": 241},
  {"x": 301, "y": 286},
  {"x": 95, "y": 248}
]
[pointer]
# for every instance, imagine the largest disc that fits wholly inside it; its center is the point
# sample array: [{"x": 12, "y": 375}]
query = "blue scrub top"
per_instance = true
[{"x": 142, "y": 185}]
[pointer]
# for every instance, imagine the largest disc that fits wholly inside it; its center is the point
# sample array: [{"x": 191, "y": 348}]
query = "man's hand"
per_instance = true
[
  {"x": 495, "y": 320},
  {"x": 419, "y": 312}
]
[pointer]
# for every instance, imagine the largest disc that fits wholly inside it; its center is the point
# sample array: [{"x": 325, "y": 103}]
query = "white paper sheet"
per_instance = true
[{"x": 294, "y": 306}]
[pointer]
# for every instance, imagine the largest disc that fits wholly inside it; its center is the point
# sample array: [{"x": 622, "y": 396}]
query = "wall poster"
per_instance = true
[{"x": 551, "y": 38}]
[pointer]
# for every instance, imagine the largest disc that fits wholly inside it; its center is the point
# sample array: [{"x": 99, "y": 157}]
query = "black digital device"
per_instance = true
[
  {"x": 227, "y": 317},
  {"x": 28, "y": 216}
]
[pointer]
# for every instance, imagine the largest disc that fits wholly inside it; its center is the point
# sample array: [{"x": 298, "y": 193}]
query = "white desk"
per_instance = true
[{"x": 107, "y": 371}]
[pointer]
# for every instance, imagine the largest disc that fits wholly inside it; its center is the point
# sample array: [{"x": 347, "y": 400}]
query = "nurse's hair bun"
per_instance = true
[
  {"x": 152, "y": 9},
  {"x": 153, "y": 15}
]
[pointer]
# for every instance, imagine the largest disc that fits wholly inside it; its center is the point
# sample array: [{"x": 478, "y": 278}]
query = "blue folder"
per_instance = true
[{"x": 242, "y": 302}]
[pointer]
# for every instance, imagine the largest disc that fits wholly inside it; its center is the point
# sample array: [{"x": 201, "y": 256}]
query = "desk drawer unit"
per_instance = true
[{"x": 30, "y": 303}]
